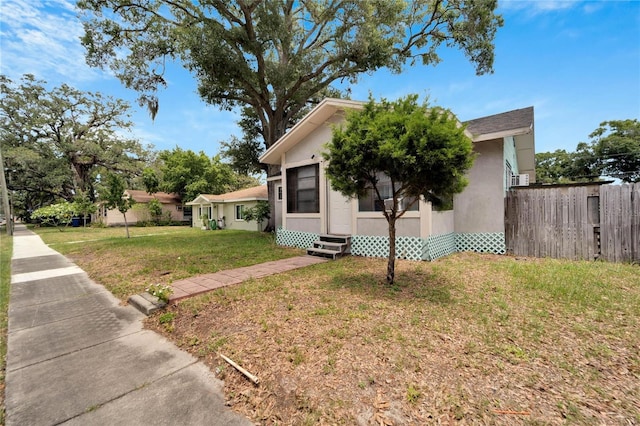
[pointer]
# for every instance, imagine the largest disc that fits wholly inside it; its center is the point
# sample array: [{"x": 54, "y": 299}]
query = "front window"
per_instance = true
[
  {"x": 303, "y": 193},
  {"x": 370, "y": 203},
  {"x": 239, "y": 211}
]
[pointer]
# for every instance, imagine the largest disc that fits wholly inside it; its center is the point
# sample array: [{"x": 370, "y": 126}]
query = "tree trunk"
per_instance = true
[
  {"x": 391, "y": 265},
  {"x": 126, "y": 225},
  {"x": 5, "y": 199}
]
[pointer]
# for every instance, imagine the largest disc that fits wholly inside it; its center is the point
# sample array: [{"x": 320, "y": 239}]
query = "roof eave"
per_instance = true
[
  {"x": 236, "y": 200},
  {"x": 315, "y": 118},
  {"x": 502, "y": 134}
]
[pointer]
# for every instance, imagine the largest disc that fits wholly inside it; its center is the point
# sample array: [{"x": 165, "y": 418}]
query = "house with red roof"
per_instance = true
[{"x": 172, "y": 209}]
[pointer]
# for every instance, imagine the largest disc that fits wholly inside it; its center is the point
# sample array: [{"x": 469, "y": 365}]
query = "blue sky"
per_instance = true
[{"x": 576, "y": 62}]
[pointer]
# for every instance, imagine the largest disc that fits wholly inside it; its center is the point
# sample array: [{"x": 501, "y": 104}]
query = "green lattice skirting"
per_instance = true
[
  {"x": 411, "y": 248},
  {"x": 482, "y": 242},
  {"x": 303, "y": 240}
]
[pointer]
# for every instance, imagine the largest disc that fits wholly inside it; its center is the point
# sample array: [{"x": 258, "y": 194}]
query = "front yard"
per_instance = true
[
  {"x": 469, "y": 338},
  {"x": 126, "y": 266}
]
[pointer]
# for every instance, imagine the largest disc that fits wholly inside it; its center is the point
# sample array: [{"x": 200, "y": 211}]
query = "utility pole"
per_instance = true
[{"x": 5, "y": 198}]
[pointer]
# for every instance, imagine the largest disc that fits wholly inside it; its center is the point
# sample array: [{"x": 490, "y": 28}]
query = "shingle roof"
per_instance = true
[
  {"x": 255, "y": 193},
  {"x": 145, "y": 197},
  {"x": 510, "y": 120}
]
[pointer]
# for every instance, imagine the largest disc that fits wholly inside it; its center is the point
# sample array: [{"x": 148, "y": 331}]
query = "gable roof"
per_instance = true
[
  {"x": 314, "y": 119},
  {"x": 255, "y": 193},
  {"x": 144, "y": 197},
  {"x": 510, "y": 123}
]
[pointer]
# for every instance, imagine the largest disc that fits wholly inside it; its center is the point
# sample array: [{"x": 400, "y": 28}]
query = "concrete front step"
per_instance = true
[
  {"x": 314, "y": 251},
  {"x": 329, "y": 245}
]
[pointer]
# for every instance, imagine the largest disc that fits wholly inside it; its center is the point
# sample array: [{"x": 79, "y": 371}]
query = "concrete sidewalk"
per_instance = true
[{"x": 76, "y": 356}]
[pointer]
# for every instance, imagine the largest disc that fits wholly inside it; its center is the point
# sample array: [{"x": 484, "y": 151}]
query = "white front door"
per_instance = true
[{"x": 339, "y": 213}]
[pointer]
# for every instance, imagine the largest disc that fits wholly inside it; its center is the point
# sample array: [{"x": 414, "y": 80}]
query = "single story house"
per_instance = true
[
  {"x": 171, "y": 203},
  {"x": 227, "y": 210},
  {"x": 307, "y": 206}
]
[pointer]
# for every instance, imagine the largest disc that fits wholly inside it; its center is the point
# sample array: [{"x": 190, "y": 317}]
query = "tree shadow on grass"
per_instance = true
[{"x": 419, "y": 285}]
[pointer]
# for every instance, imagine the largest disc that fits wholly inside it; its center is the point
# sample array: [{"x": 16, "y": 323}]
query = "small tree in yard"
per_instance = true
[
  {"x": 55, "y": 214},
  {"x": 84, "y": 206},
  {"x": 155, "y": 209},
  {"x": 113, "y": 196},
  {"x": 421, "y": 150},
  {"x": 260, "y": 212}
]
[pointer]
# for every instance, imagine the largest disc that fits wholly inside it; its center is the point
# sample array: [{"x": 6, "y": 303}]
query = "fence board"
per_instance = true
[
  {"x": 562, "y": 222},
  {"x": 620, "y": 223}
]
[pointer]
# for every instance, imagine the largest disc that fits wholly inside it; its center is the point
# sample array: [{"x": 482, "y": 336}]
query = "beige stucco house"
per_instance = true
[
  {"x": 172, "y": 209},
  {"x": 307, "y": 207},
  {"x": 227, "y": 209}
]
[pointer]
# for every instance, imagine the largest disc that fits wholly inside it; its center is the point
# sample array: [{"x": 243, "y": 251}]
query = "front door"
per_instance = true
[{"x": 339, "y": 213}]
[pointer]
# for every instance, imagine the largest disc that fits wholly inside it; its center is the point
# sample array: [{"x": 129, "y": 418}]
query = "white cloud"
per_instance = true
[
  {"x": 43, "y": 38},
  {"x": 535, "y": 7}
]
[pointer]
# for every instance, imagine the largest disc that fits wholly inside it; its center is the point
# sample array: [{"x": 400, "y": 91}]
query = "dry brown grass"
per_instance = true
[{"x": 477, "y": 339}]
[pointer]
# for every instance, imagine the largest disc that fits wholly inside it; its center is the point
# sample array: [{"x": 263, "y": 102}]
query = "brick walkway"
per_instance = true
[{"x": 208, "y": 282}]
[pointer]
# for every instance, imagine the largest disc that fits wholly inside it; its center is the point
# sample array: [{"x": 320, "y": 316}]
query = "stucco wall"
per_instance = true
[
  {"x": 230, "y": 216},
  {"x": 442, "y": 222},
  {"x": 139, "y": 212},
  {"x": 480, "y": 207},
  {"x": 405, "y": 227},
  {"x": 313, "y": 144},
  {"x": 310, "y": 224}
]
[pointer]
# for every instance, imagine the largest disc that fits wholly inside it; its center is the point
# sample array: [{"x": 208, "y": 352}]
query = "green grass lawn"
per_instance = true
[
  {"x": 469, "y": 338},
  {"x": 159, "y": 254},
  {"x": 6, "y": 249}
]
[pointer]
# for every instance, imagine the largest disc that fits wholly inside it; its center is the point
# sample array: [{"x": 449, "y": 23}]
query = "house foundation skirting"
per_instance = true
[{"x": 411, "y": 248}]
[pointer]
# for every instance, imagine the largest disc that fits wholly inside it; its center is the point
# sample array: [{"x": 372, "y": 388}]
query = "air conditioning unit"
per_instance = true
[
  {"x": 520, "y": 180},
  {"x": 388, "y": 204}
]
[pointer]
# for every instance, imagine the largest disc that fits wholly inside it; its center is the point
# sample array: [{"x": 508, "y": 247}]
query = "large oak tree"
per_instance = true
[
  {"x": 273, "y": 56},
  {"x": 57, "y": 141}
]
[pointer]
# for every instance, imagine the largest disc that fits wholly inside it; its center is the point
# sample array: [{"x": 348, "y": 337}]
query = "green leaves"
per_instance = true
[
  {"x": 112, "y": 193},
  {"x": 189, "y": 174},
  {"x": 274, "y": 56},
  {"x": 613, "y": 152},
  {"x": 617, "y": 148},
  {"x": 423, "y": 150},
  {"x": 260, "y": 212},
  {"x": 55, "y": 214},
  {"x": 57, "y": 141}
]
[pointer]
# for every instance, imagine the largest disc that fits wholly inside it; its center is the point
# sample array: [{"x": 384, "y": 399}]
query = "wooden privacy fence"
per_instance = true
[{"x": 589, "y": 221}]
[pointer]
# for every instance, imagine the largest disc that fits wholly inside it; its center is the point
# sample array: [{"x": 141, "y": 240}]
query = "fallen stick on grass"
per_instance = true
[
  {"x": 248, "y": 375},
  {"x": 521, "y": 413}
]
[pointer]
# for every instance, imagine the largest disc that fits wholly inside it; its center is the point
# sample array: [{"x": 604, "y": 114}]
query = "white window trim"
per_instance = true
[{"x": 235, "y": 212}]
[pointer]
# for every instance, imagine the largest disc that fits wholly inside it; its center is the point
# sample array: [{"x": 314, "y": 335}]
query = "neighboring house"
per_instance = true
[
  {"x": 172, "y": 209},
  {"x": 228, "y": 209},
  {"x": 306, "y": 206}
]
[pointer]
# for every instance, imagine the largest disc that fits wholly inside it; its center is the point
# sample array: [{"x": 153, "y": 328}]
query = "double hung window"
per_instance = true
[{"x": 303, "y": 195}]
